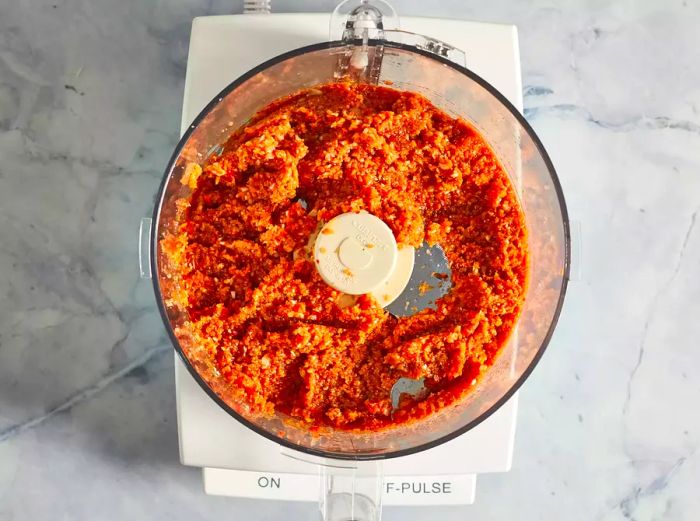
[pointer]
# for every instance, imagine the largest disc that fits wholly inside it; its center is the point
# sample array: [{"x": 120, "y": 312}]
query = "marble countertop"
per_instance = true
[{"x": 90, "y": 99}]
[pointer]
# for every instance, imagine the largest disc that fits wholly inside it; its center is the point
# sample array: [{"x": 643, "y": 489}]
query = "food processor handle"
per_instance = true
[
  {"x": 351, "y": 494},
  {"x": 349, "y": 490}
]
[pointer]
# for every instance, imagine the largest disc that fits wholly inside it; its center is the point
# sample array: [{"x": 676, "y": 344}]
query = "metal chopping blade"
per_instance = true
[{"x": 430, "y": 280}]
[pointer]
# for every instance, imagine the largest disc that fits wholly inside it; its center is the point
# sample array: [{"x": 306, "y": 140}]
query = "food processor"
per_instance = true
[{"x": 367, "y": 45}]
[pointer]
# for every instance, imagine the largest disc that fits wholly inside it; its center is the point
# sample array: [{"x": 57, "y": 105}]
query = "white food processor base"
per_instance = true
[{"x": 235, "y": 460}]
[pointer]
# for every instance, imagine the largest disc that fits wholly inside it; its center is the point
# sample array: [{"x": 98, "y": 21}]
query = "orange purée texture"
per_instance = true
[{"x": 283, "y": 339}]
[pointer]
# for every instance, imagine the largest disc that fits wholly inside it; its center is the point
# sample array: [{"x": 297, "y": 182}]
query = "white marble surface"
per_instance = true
[{"x": 90, "y": 94}]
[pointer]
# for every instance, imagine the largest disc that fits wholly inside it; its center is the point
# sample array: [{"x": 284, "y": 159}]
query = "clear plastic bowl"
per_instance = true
[{"x": 461, "y": 93}]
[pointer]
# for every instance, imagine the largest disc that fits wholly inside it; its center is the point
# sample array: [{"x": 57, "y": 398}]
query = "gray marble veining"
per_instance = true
[{"x": 90, "y": 95}]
